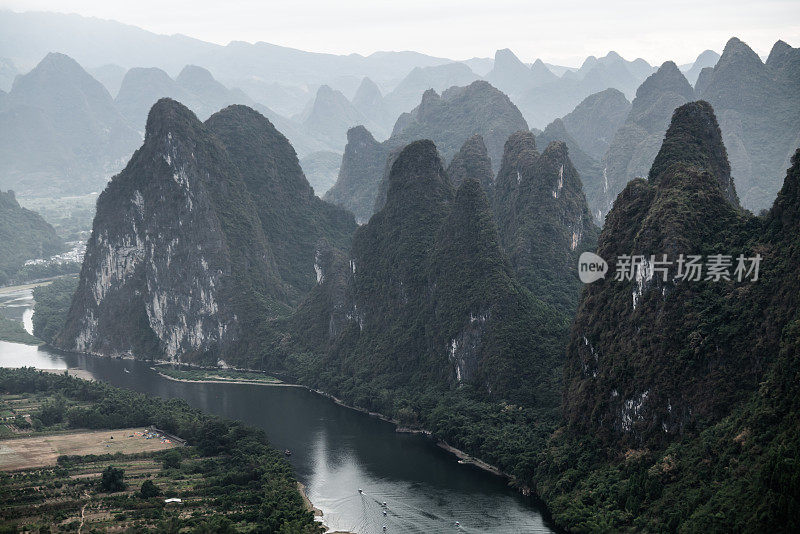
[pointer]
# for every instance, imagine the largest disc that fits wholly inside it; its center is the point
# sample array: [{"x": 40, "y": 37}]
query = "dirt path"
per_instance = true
[{"x": 83, "y": 518}]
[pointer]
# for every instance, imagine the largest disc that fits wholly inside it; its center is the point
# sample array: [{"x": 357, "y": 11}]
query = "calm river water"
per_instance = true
[{"x": 335, "y": 450}]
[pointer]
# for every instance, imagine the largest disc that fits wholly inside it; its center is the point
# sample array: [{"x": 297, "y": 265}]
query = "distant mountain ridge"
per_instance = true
[
  {"x": 758, "y": 105},
  {"x": 637, "y": 141},
  {"x": 448, "y": 120},
  {"x": 61, "y": 131}
]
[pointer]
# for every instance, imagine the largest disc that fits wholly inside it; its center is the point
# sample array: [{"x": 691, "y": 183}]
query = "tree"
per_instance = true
[
  {"x": 149, "y": 490},
  {"x": 171, "y": 460},
  {"x": 112, "y": 479}
]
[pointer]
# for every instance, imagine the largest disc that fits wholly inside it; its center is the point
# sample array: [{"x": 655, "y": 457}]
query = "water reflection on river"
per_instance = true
[{"x": 335, "y": 451}]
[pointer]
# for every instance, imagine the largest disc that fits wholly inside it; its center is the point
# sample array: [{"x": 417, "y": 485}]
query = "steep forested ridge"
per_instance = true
[
  {"x": 24, "y": 235},
  {"x": 543, "y": 219},
  {"x": 427, "y": 301},
  {"x": 293, "y": 218},
  {"x": 209, "y": 232},
  {"x": 680, "y": 395},
  {"x": 472, "y": 161},
  {"x": 359, "y": 176}
]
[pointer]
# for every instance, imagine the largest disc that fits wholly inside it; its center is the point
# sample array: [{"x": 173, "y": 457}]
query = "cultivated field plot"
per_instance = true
[{"x": 40, "y": 451}]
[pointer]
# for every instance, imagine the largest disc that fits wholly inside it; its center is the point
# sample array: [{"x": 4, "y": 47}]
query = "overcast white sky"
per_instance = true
[{"x": 558, "y": 31}]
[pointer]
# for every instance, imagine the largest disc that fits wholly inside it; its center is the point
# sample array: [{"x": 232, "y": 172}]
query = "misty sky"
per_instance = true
[{"x": 558, "y": 31}]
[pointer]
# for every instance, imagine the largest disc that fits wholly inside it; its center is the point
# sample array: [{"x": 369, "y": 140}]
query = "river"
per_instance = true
[{"x": 335, "y": 451}]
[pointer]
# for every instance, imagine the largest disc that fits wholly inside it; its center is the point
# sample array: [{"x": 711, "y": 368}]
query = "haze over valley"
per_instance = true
[{"x": 397, "y": 292}]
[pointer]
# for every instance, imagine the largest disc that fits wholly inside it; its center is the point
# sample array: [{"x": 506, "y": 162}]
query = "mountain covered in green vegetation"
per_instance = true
[
  {"x": 209, "y": 231},
  {"x": 680, "y": 396},
  {"x": 589, "y": 168},
  {"x": 458, "y": 114},
  {"x": 293, "y": 218},
  {"x": 594, "y": 121},
  {"x": 24, "y": 235},
  {"x": 543, "y": 219},
  {"x": 360, "y": 174},
  {"x": 472, "y": 162},
  {"x": 426, "y": 301}
]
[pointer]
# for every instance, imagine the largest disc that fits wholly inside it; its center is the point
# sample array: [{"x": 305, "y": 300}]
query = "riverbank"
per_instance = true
[
  {"x": 14, "y": 332},
  {"x": 83, "y": 374},
  {"x": 463, "y": 457},
  {"x": 5, "y": 290},
  {"x": 75, "y": 373},
  {"x": 309, "y": 505}
]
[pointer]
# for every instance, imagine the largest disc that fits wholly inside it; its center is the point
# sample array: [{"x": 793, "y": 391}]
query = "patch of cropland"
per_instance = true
[{"x": 121, "y": 474}]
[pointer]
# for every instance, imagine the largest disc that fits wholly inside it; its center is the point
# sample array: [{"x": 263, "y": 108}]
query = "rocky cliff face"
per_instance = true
[
  {"x": 158, "y": 277},
  {"x": 360, "y": 174},
  {"x": 650, "y": 380},
  {"x": 543, "y": 218},
  {"x": 185, "y": 262},
  {"x": 429, "y": 300}
]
